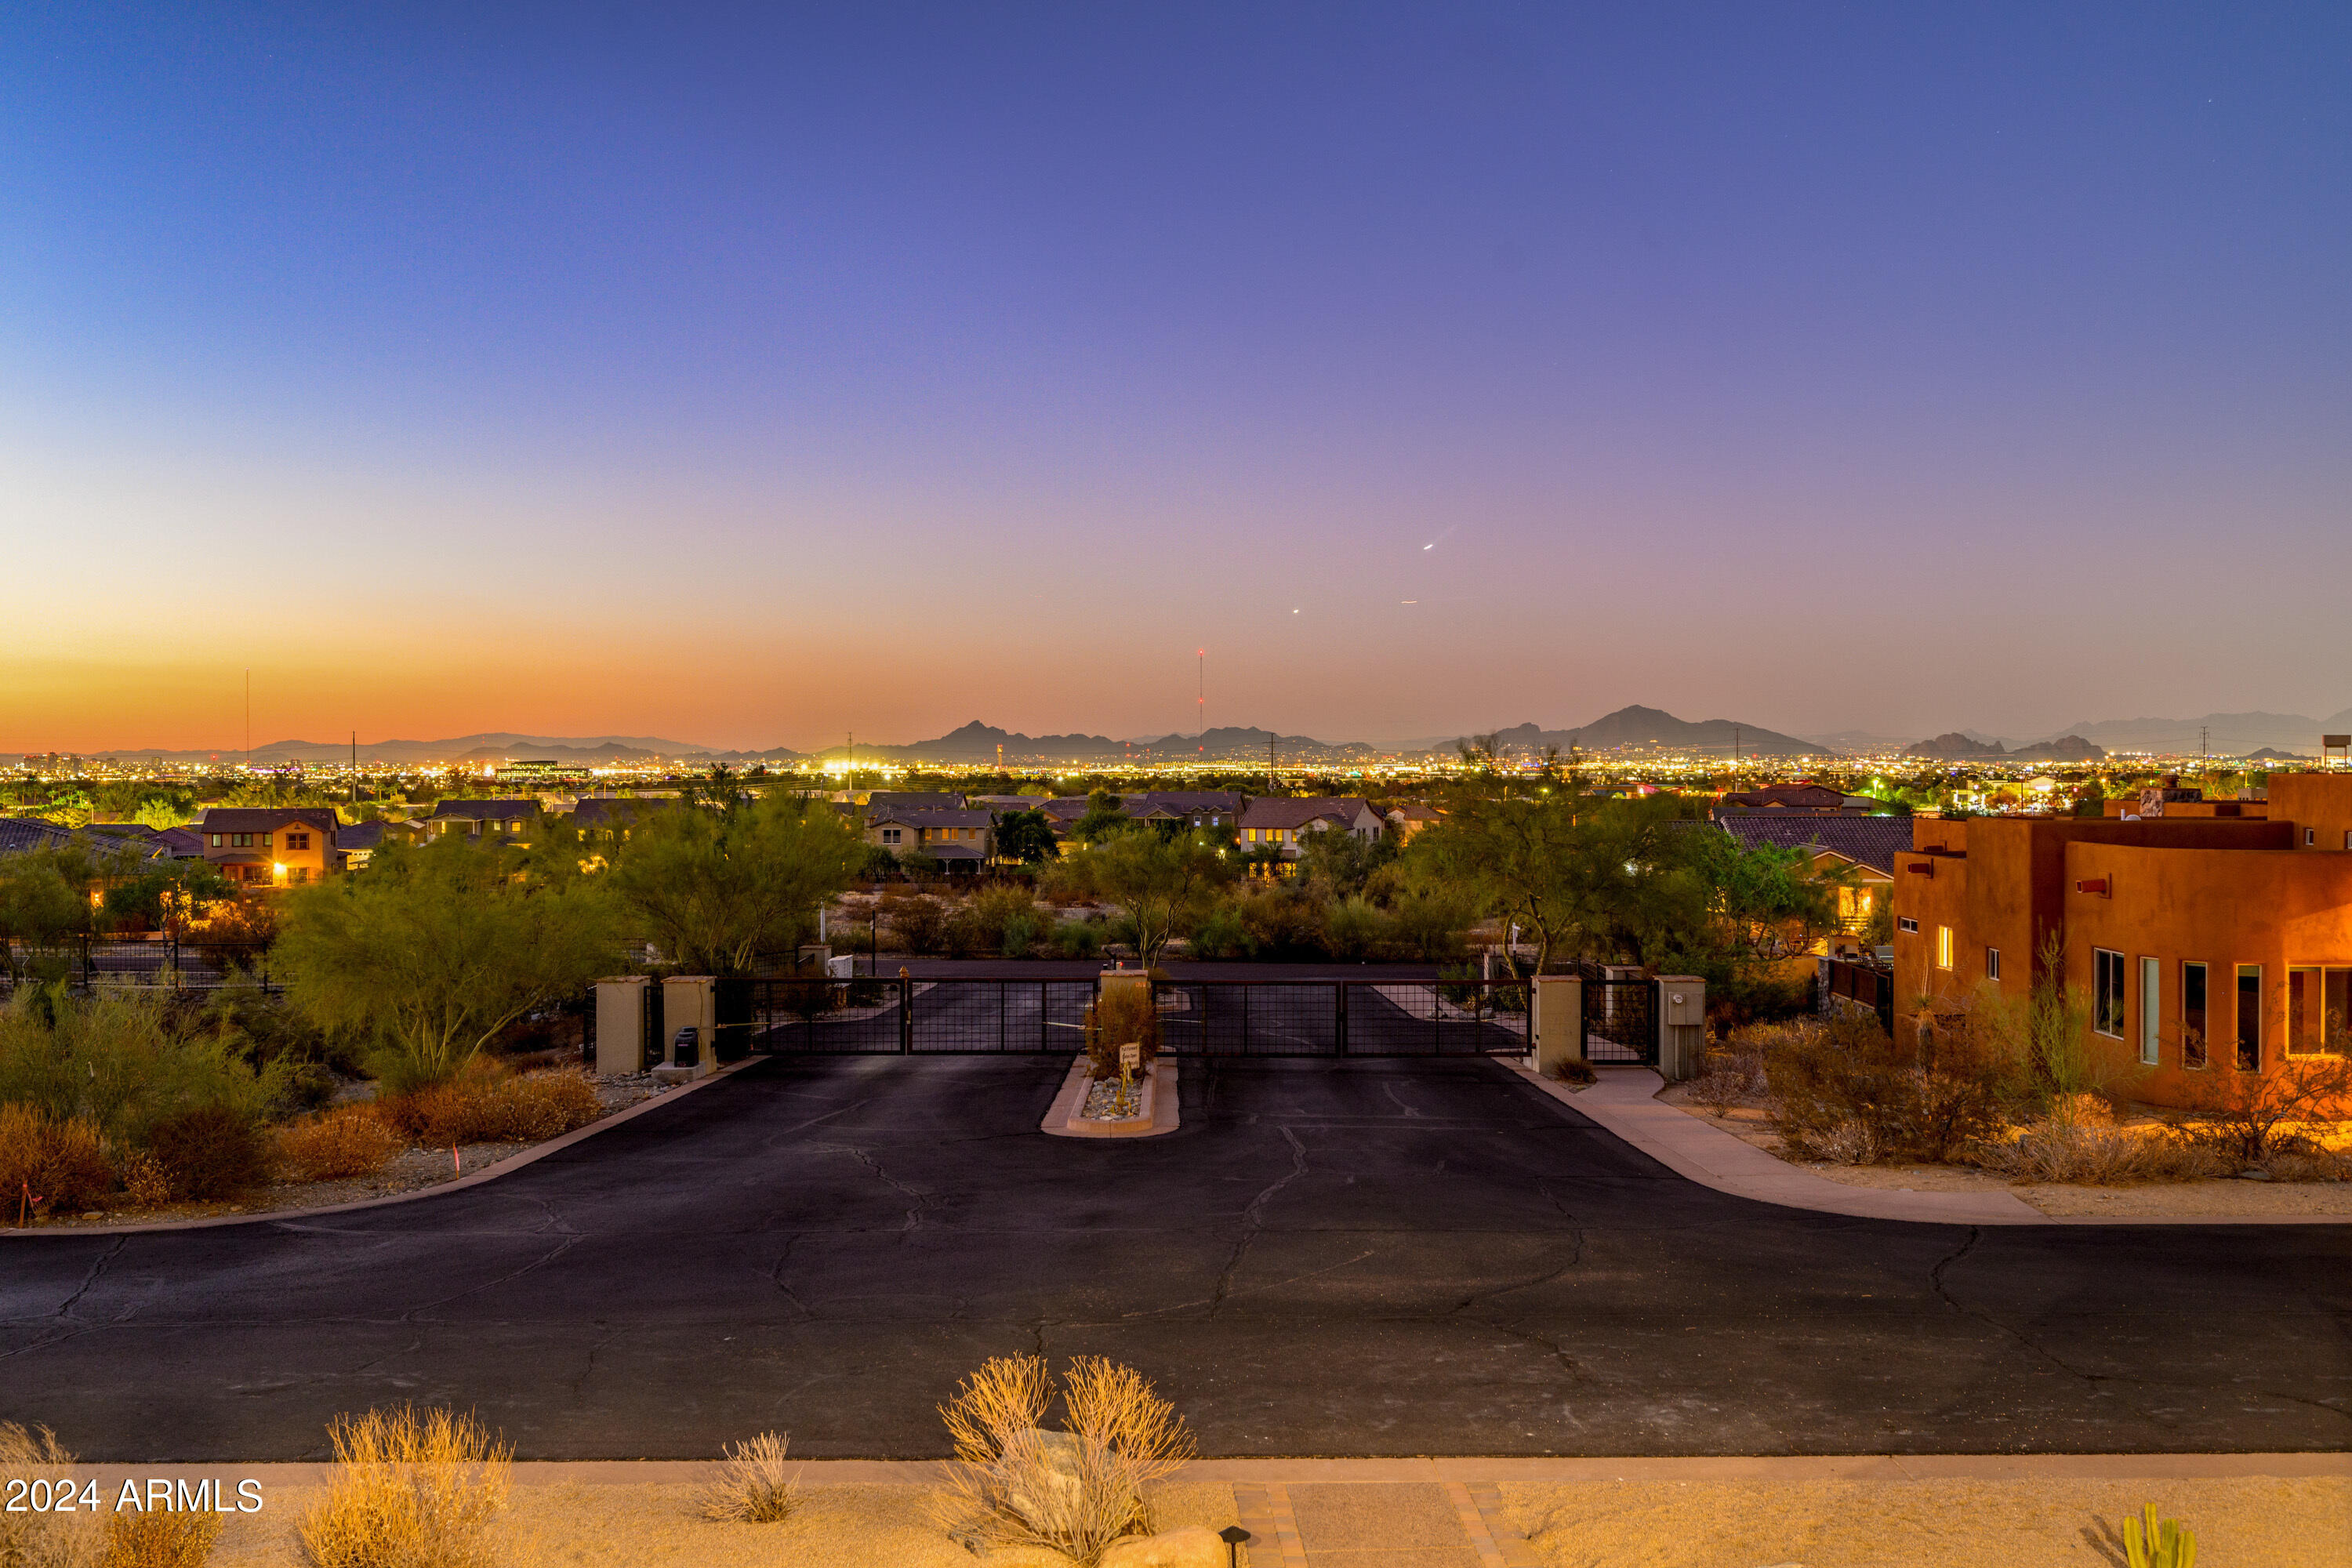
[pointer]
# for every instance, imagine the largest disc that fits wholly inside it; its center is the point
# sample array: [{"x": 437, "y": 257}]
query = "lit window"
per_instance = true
[{"x": 1943, "y": 947}]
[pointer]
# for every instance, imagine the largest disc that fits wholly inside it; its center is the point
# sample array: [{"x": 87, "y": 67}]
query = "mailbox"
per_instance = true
[{"x": 686, "y": 1050}]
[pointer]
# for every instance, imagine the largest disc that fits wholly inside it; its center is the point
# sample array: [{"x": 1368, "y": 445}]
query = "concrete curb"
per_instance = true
[
  {"x": 503, "y": 1168},
  {"x": 1624, "y": 1100},
  {"x": 1779, "y": 1469},
  {"x": 1161, "y": 1112}
]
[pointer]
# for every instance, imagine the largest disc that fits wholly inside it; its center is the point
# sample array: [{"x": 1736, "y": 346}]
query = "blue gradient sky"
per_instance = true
[{"x": 754, "y": 377}]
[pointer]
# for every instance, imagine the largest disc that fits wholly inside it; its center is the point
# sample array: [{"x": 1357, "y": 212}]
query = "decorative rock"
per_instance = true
[
  {"x": 1194, "y": 1546},
  {"x": 1022, "y": 1557}
]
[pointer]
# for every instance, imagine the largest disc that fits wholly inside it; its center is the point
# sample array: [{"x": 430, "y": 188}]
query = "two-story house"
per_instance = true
[
  {"x": 1285, "y": 821},
  {"x": 510, "y": 820},
  {"x": 960, "y": 839},
  {"x": 270, "y": 847}
]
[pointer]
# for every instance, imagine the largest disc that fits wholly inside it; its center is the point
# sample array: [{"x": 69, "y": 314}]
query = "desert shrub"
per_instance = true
[
  {"x": 1839, "y": 1089},
  {"x": 1430, "y": 926},
  {"x": 1354, "y": 931},
  {"x": 1283, "y": 921},
  {"x": 1221, "y": 936},
  {"x": 751, "y": 1487},
  {"x": 960, "y": 934},
  {"x": 1019, "y": 937},
  {"x": 31, "y": 1540},
  {"x": 1076, "y": 1491},
  {"x": 354, "y": 1141},
  {"x": 2253, "y": 1118},
  {"x": 1121, "y": 1015},
  {"x": 2086, "y": 1150},
  {"x": 210, "y": 1152},
  {"x": 161, "y": 1540},
  {"x": 1722, "y": 1086},
  {"x": 62, "y": 1166},
  {"x": 1077, "y": 939},
  {"x": 120, "y": 1061},
  {"x": 919, "y": 924},
  {"x": 412, "y": 1488},
  {"x": 995, "y": 913},
  {"x": 489, "y": 1107}
]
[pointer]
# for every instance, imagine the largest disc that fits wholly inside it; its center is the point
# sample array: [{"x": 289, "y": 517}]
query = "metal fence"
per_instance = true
[
  {"x": 1197, "y": 1018},
  {"x": 160, "y": 962}
]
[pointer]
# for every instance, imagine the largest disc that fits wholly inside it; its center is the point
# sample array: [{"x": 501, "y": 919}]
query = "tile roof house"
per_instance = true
[
  {"x": 1285, "y": 821},
  {"x": 24, "y": 835},
  {"x": 914, "y": 800},
  {"x": 964, "y": 838},
  {"x": 260, "y": 847},
  {"x": 1860, "y": 848},
  {"x": 1800, "y": 796},
  {"x": 1413, "y": 817},
  {"x": 356, "y": 844},
  {"x": 510, "y": 818}
]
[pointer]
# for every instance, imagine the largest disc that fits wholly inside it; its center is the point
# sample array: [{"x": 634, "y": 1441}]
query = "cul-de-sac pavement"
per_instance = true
[{"x": 1357, "y": 1256}]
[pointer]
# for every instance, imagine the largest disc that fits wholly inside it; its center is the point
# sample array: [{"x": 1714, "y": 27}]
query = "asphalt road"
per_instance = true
[{"x": 1331, "y": 1257}]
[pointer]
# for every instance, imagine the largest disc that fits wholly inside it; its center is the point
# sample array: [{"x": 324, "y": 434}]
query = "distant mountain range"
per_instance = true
[
  {"x": 1638, "y": 728},
  {"x": 978, "y": 742},
  {"x": 1633, "y": 729}
]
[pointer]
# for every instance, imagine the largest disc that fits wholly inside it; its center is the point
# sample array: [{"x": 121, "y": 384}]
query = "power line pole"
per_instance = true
[
  {"x": 1270, "y": 763},
  {"x": 2205, "y": 743},
  {"x": 249, "y": 719},
  {"x": 1200, "y": 702}
]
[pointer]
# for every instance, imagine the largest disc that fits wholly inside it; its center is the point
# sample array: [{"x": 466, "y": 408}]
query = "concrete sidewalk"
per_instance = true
[{"x": 1624, "y": 1100}]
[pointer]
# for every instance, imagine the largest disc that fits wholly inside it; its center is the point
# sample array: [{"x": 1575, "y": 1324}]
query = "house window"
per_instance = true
[
  {"x": 1943, "y": 947},
  {"x": 298, "y": 841},
  {"x": 889, "y": 836},
  {"x": 2250, "y": 1017},
  {"x": 2192, "y": 1014},
  {"x": 265, "y": 839},
  {"x": 2316, "y": 1004},
  {"x": 1992, "y": 963},
  {"x": 2150, "y": 1009},
  {"x": 216, "y": 839},
  {"x": 2107, "y": 992},
  {"x": 1904, "y": 922},
  {"x": 240, "y": 840},
  {"x": 2310, "y": 836}
]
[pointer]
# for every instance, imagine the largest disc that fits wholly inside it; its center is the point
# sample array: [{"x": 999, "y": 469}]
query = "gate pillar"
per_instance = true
[
  {"x": 1682, "y": 1027},
  {"x": 1559, "y": 1020},
  {"x": 621, "y": 1026},
  {"x": 687, "y": 1002}
]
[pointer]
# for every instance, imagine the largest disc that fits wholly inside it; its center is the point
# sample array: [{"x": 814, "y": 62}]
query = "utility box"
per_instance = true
[
  {"x": 1557, "y": 1021},
  {"x": 621, "y": 1026},
  {"x": 1682, "y": 1027}
]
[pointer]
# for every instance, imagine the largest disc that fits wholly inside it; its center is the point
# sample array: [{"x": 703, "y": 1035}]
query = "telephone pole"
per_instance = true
[
  {"x": 1270, "y": 785},
  {"x": 248, "y": 719},
  {"x": 1200, "y": 702}
]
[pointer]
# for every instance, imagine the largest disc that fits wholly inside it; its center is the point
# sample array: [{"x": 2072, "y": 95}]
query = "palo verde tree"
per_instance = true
[
  {"x": 717, "y": 882},
  {"x": 1161, "y": 883},
  {"x": 1026, "y": 837},
  {"x": 432, "y": 950}
]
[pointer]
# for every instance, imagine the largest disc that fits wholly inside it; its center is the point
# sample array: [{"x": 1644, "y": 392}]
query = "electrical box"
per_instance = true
[{"x": 1684, "y": 1001}]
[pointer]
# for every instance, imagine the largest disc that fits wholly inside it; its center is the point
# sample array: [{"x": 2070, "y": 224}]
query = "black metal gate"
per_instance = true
[
  {"x": 1621, "y": 1021},
  {"x": 975, "y": 1015}
]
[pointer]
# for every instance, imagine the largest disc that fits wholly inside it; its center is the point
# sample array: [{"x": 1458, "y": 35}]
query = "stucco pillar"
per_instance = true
[
  {"x": 1557, "y": 1022},
  {"x": 621, "y": 1026},
  {"x": 687, "y": 1003}
]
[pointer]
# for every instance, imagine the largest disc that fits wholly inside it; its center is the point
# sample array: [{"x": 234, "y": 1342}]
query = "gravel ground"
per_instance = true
[
  {"x": 409, "y": 1170},
  {"x": 2202, "y": 1199}
]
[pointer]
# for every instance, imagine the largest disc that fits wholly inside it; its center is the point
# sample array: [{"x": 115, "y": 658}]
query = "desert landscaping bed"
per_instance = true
[
  {"x": 410, "y": 1171},
  {"x": 2202, "y": 1197}
]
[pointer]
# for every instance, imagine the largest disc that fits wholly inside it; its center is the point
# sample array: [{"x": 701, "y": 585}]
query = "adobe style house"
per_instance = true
[
  {"x": 1283, "y": 821},
  {"x": 270, "y": 847},
  {"x": 2209, "y": 937}
]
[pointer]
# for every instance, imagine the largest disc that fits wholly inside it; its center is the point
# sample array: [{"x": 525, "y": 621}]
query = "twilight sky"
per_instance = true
[{"x": 772, "y": 374}]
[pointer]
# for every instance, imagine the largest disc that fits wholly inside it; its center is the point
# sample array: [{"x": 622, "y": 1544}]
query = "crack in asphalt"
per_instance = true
[
  {"x": 776, "y": 1277},
  {"x": 566, "y": 1244},
  {"x": 920, "y": 1199},
  {"x": 96, "y": 1269},
  {"x": 1253, "y": 1218}
]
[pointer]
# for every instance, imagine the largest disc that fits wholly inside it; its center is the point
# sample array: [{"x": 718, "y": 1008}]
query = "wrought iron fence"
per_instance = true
[
  {"x": 1214, "y": 1018},
  {"x": 160, "y": 962}
]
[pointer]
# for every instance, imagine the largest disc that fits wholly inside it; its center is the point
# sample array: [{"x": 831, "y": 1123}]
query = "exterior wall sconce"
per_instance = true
[{"x": 2097, "y": 885}]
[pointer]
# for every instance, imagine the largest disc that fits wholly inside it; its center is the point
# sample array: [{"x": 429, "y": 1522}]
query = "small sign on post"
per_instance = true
[{"x": 1130, "y": 1056}]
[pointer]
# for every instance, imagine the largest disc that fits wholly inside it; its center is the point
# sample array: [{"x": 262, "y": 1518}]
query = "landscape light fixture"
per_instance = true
[{"x": 1232, "y": 1535}]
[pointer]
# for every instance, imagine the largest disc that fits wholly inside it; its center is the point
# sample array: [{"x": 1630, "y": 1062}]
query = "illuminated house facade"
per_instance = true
[
  {"x": 269, "y": 846},
  {"x": 2209, "y": 937}
]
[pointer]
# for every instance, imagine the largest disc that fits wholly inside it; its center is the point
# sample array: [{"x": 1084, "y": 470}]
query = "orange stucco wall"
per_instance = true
[
  {"x": 2319, "y": 803},
  {"x": 2220, "y": 908}
]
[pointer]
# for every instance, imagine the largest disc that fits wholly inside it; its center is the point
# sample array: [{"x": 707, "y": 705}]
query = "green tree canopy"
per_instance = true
[
  {"x": 436, "y": 949},
  {"x": 1026, "y": 837},
  {"x": 1162, "y": 883},
  {"x": 716, "y": 886}
]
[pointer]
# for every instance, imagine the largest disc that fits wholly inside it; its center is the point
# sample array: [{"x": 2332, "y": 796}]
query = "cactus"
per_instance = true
[{"x": 2153, "y": 1543}]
